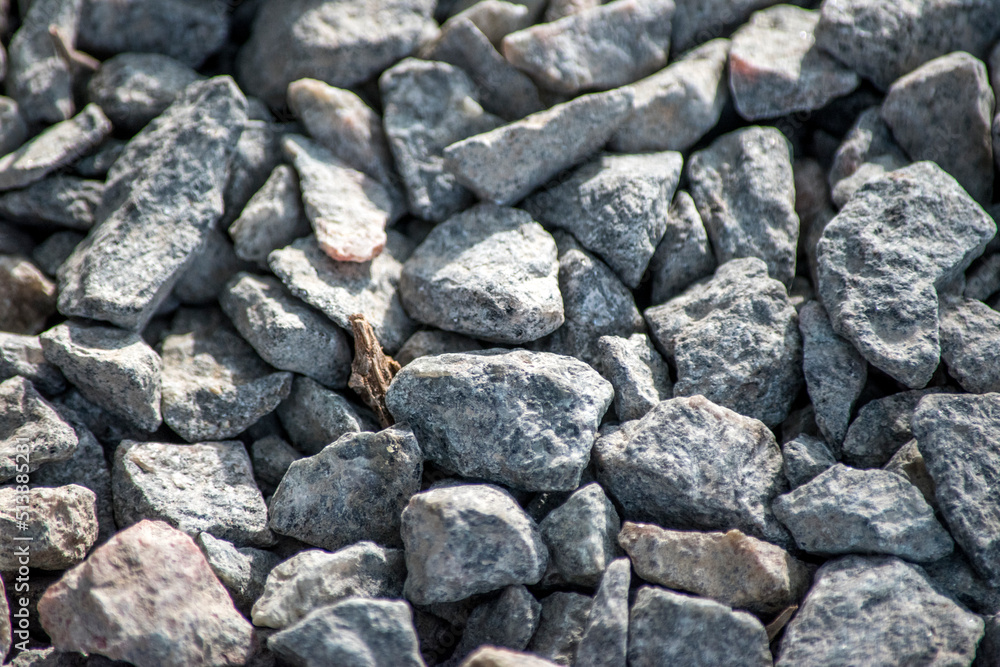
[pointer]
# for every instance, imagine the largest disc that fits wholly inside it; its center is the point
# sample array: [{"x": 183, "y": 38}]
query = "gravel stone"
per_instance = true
[
  {"x": 883, "y": 257},
  {"x": 27, "y": 297},
  {"x": 581, "y": 536},
  {"x": 38, "y": 77},
  {"x": 258, "y": 151},
  {"x": 684, "y": 254},
  {"x": 205, "y": 486},
  {"x": 692, "y": 464},
  {"x": 696, "y": 21},
  {"x": 969, "y": 344},
  {"x": 982, "y": 280},
  {"x": 804, "y": 458},
  {"x": 495, "y": 18},
  {"x": 508, "y": 621},
  {"x": 467, "y": 539},
  {"x": 735, "y": 340},
  {"x": 315, "y": 417},
  {"x": 13, "y": 128},
  {"x": 29, "y": 425},
  {"x": 490, "y": 273},
  {"x": 272, "y": 219},
  {"x": 428, "y": 343},
  {"x": 98, "y": 162},
  {"x": 957, "y": 577},
  {"x": 67, "y": 201},
  {"x": 878, "y": 610},
  {"x": 208, "y": 270},
  {"x": 62, "y": 525},
  {"x": 525, "y": 419},
  {"x": 50, "y": 254},
  {"x": 605, "y": 636},
  {"x": 5, "y": 626},
  {"x": 271, "y": 457},
  {"x": 881, "y": 428},
  {"x": 909, "y": 464},
  {"x": 314, "y": 579},
  {"x": 637, "y": 372},
  {"x": 242, "y": 571},
  {"x": 489, "y": 656},
  {"x": 22, "y": 355},
  {"x": 560, "y": 629},
  {"x": 107, "y": 428},
  {"x": 558, "y": 9},
  {"x": 13, "y": 241}
]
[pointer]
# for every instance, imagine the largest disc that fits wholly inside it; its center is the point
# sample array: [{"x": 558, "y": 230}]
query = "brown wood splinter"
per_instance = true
[
  {"x": 774, "y": 627},
  {"x": 372, "y": 370}
]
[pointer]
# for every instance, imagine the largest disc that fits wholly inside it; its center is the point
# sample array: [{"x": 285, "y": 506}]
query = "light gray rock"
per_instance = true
[
  {"x": 272, "y": 219},
  {"x": 509, "y": 621},
  {"x": 881, "y": 427},
  {"x": 637, "y": 372},
  {"x": 53, "y": 251},
  {"x": 61, "y": 526},
  {"x": 242, "y": 571},
  {"x": 208, "y": 270},
  {"x": 969, "y": 330},
  {"x": 23, "y": 355},
  {"x": 692, "y": 464},
  {"x": 315, "y": 416},
  {"x": 314, "y": 579},
  {"x": 909, "y": 464},
  {"x": 271, "y": 457},
  {"x": 30, "y": 427},
  {"x": 162, "y": 196},
  {"x": 13, "y": 128},
  {"x": 879, "y": 610},
  {"x": 543, "y": 144},
  {"x": 432, "y": 342},
  {"x": 666, "y": 628},
  {"x": 520, "y": 418},
  {"x": 38, "y": 77},
  {"x": 868, "y": 142},
  {"x": 466, "y": 539},
  {"x": 805, "y": 457},
  {"x": 113, "y": 369},
  {"x": 735, "y": 340},
  {"x": 27, "y": 297},
  {"x": 684, "y": 254},
  {"x": 605, "y": 636},
  {"x": 66, "y": 201},
  {"x": 201, "y": 487},
  {"x": 581, "y": 535}
]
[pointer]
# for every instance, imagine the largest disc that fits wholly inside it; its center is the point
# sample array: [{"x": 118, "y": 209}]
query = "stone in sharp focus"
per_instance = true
[
  {"x": 30, "y": 426},
  {"x": 970, "y": 345},
  {"x": 684, "y": 254},
  {"x": 315, "y": 416},
  {"x": 272, "y": 219},
  {"x": 880, "y": 428},
  {"x": 637, "y": 372},
  {"x": 61, "y": 526},
  {"x": 27, "y": 297},
  {"x": 67, "y": 201},
  {"x": 605, "y": 636},
  {"x": 22, "y": 355},
  {"x": 805, "y": 457},
  {"x": 581, "y": 536},
  {"x": 38, "y": 77},
  {"x": 542, "y": 145},
  {"x": 868, "y": 150},
  {"x": 162, "y": 196},
  {"x": 882, "y": 258},
  {"x": 242, "y": 570},
  {"x": 520, "y": 418},
  {"x": 508, "y": 621}
]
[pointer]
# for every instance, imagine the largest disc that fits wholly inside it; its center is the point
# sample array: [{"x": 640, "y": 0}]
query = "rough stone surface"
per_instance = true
[
  {"x": 958, "y": 578},
  {"x": 67, "y": 201},
  {"x": 526, "y": 419},
  {"x": 489, "y": 656},
  {"x": 881, "y": 427},
  {"x": 271, "y": 457},
  {"x": 581, "y": 536},
  {"x": 27, "y": 297},
  {"x": 429, "y": 343},
  {"x": 667, "y": 628},
  {"x": 805, "y": 457},
  {"x": 148, "y": 597},
  {"x": 38, "y": 77},
  {"x": 563, "y": 620},
  {"x": 543, "y": 144},
  {"x": 745, "y": 192},
  {"x": 882, "y": 258},
  {"x": 272, "y": 219},
  {"x": 605, "y": 636},
  {"x": 969, "y": 344},
  {"x": 735, "y": 340},
  {"x": 62, "y": 525},
  {"x": 113, "y": 369},
  {"x": 637, "y": 372},
  {"x": 5, "y": 625},
  {"x": 684, "y": 254},
  {"x": 696, "y": 21},
  {"x": 508, "y": 621},
  {"x": 242, "y": 571},
  {"x": 22, "y": 355},
  {"x": 202, "y": 487},
  {"x": 315, "y": 417},
  {"x": 467, "y": 539},
  {"x": 692, "y": 464},
  {"x": 313, "y": 579},
  {"x": 30, "y": 426},
  {"x": 878, "y": 610},
  {"x": 557, "y": 9},
  {"x": 909, "y": 464}
]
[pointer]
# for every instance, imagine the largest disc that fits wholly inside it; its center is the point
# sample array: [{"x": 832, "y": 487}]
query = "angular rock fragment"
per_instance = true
[
  {"x": 909, "y": 464},
  {"x": 563, "y": 620},
  {"x": 956, "y": 576},
  {"x": 684, "y": 254},
  {"x": 969, "y": 331},
  {"x": 735, "y": 340},
  {"x": 134, "y": 88},
  {"x": 242, "y": 571},
  {"x": 27, "y": 297},
  {"x": 148, "y": 597},
  {"x": 432, "y": 342},
  {"x": 61, "y": 200},
  {"x": 61, "y": 525},
  {"x": 558, "y": 9},
  {"x": 5, "y": 625},
  {"x": 637, "y": 372},
  {"x": 30, "y": 428},
  {"x": 38, "y": 77},
  {"x": 696, "y": 21},
  {"x": 805, "y": 457},
  {"x": 489, "y": 656},
  {"x": 525, "y": 419},
  {"x": 271, "y": 457},
  {"x": 202, "y": 487},
  {"x": 208, "y": 270},
  {"x": 272, "y": 219},
  {"x": 692, "y": 464},
  {"x": 581, "y": 536},
  {"x": 881, "y": 427},
  {"x": 22, "y": 355},
  {"x": 495, "y": 18},
  {"x": 315, "y": 417},
  {"x": 882, "y": 258},
  {"x": 107, "y": 428},
  {"x": 868, "y": 147},
  {"x": 467, "y": 539},
  {"x": 543, "y": 144},
  {"x": 313, "y": 579},
  {"x": 605, "y": 636},
  {"x": 257, "y": 153},
  {"x": 53, "y": 251},
  {"x": 509, "y": 622}
]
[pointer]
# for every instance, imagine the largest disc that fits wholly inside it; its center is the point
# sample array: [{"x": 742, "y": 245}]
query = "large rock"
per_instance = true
[
  {"x": 969, "y": 345},
  {"x": 581, "y": 536},
  {"x": 883, "y": 257},
  {"x": 38, "y": 77},
  {"x": 31, "y": 429},
  {"x": 525, "y": 419},
  {"x": 67, "y": 201},
  {"x": 272, "y": 219},
  {"x": 58, "y": 526}
]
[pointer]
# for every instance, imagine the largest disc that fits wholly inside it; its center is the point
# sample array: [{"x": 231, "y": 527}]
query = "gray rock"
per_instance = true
[
  {"x": 98, "y": 162},
  {"x": 616, "y": 206},
  {"x": 243, "y": 571},
  {"x": 666, "y": 628},
  {"x": 637, "y": 372},
  {"x": 883, "y": 257},
  {"x": 22, "y": 355},
  {"x": 684, "y": 254},
  {"x": 53, "y": 251},
  {"x": 67, "y": 201},
  {"x": 257, "y": 153},
  {"x": 955, "y": 575},
  {"x": 869, "y": 142},
  {"x": 330, "y": 41},
  {"x": 745, "y": 192},
  {"x": 271, "y": 457},
  {"x": 508, "y": 621},
  {"x": 353, "y": 490},
  {"x": 134, "y": 88},
  {"x": 581, "y": 535},
  {"x": 340, "y": 289},
  {"x": 563, "y": 621},
  {"x": 602, "y": 47},
  {"x": 496, "y": 18},
  {"x": 162, "y": 196},
  {"x": 13, "y": 128},
  {"x": 112, "y": 368},
  {"x": 867, "y": 171},
  {"x": 969, "y": 330},
  {"x": 201, "y": 487},
  {"x": 208, "y": 270},
  {"x": 38, "y": 77},
  {"x": 804, "y": 458},
  {"x": 943, "y": 111},
  {"x": 433, "y": 342},
  {"x": 696, "y": 21},
  {"x": 834, "y": 371},
  {"x": 285, "y": 332},
  {"x": 314, "y": 579},
  {"x": 490, "y": 273},
  {"x": 605, "y": 636},
  {"x": 352, "y": 632},
  {"x": 557, "y": 9},
  {"x": 59, "y": 525},
  {"x": 107, "y": 428},
  {"x": 466, "y": 539},
  {"x": 775, "y": 68},
  {"x": 735, "y": 340},
  {"x": 30, "y": 426},
  {"x": 692, "y": 464},
  {"x": 982, "y": 280},
  {"x": 188, "y": 30},
  {"x": 881, "y": 427},
  {"x": 272, "y": 219},
  {"x": 429, "y": 106},
  {"x": 543, "y": 144},
  {"x": 524, "y": 419},
  {"x": 950, "y": 431},
  {"x": 214, "y": 384},
  {"x": 489, "y": 656},
  {"x": 878, "y": 610},
  {"x": 56, "y": 147},
  {"x": 27, "y": 297},
  {"x": 845, "y": 510},
  {"x": 316, "y": 417},
  {"x": 909, "y": 464}
]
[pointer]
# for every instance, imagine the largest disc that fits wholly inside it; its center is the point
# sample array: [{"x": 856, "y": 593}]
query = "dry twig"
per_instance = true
[
  {"x": 774, "y": 627},
  {"x": 372, "y": 370}
]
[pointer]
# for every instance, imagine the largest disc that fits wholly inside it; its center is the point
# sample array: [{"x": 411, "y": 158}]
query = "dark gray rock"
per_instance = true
[
  {"x": 989, "y": 648},
  {"x": 29, "y": 425},
  {"x": 943, "y": 111},
  {"x": 27, "y": 296},
  {"x": 667, "y": 628},
  {"x": 351, "y": 632},
  {"x": 543, "y": 144},
  {"x": 745, "y": 192},
  {"x": 38, "y": 77},
  {"x": 581, "y": 535},
  {"x": 433, "y": 342},
  {"x": 271, "y": 457},
  {"x": 637, "y": 372},
  {"x": 13, "y": 241},
  {"x": 982, "y": 280},
  {"x": 53, "y": 251},
  {"x": 881, "y": 427},
  {"x": 909, "y": 464},
  {"x": 466, "y": 539},
  {"x": 735, "y": 340},
  {"x": 560, "y": 629},
  {"x": 285, "y": 332},
  {"x": 99, "y": 161},
  {"x": 107, "y": 428},
  {"x": 805, "y": 457},
  {"x": 58, "y": 525},
  {"x": 257, "y": 153},
  {"x": 315, "y": 416},
  {"x": 845, "y": 510},
  {"x": 508, "y": 621},
  {"x": 955, "y": 575},
  {"x": 696, "y": 21},
  {"x": 272, "y": 219},
  {"x": 869, "y": 142},
  {"x": 878, "y": 610},
  {"x": 13, "y": 128},
  {"x": 883, "y": 257},
  {"x": 114, "y": 369},
  {"x": 684, "y": 254},
  {"x": 66, "y": 201},
  {"x": 524, "y": 419},
  {"x": 969, "y": 344},
  {"x": 23, "y": 355},
  {"x": 692, "y": 464},
  {"x": 605, "y": 636},
  {"x": 208, "y": 270},
  {"x": 490, "y": 273},
  {"x": 162, "y": 196},
  {"x": 242, "y": 570}
]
